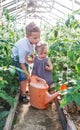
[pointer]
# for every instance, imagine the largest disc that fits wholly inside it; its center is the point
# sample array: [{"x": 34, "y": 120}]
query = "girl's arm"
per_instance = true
[{"x": 49, "y": 66}]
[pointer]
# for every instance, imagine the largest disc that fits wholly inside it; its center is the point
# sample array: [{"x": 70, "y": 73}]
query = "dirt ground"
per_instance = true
[
  {"x": 76, "y": 120},
  {"x": 29, "y": 118}
]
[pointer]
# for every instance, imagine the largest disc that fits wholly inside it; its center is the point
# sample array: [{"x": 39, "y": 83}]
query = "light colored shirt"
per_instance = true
[{"x": 22, "y": 49}]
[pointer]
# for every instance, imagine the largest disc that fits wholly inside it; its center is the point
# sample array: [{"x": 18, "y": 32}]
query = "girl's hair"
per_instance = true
[
  {"x": 32, "y": 27},
  {"x": 41, "y": 47}
]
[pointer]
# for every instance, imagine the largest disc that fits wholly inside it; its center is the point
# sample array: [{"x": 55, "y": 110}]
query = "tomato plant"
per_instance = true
[
  {"x": 8, "y": 79},
  {"x": 64, "y": 53}
]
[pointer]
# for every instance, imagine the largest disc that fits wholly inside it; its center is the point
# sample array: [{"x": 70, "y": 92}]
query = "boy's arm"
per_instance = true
[
  {"x": 24, "y": 69},
  {"x": 49, "y": 65}
]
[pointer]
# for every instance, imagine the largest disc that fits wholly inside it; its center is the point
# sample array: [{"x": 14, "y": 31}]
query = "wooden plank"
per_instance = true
[{"x": 10, "y": 117}]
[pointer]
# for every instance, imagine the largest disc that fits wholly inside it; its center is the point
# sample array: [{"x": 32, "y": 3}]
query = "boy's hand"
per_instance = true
[
  {"x": 28, "y": 77},
  {"x": 30, "y": 59}
]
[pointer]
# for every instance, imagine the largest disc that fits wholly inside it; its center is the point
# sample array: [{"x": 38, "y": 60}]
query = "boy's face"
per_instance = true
[{"x": 34, "y": 38}]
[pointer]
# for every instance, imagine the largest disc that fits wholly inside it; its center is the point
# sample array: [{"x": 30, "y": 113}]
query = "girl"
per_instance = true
[{"x": 42, "y": 65}]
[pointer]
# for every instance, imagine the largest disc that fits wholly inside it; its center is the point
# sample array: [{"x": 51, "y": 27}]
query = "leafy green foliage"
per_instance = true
[
  {"x": 3, "y": 94},
  {"x": 8, "y": 78},
  {"x": 9, "y": 34},
  {"x": 64, "y": 53},
  {"x": 72, "y": 94},
  {"x": 3, "y": 116}
]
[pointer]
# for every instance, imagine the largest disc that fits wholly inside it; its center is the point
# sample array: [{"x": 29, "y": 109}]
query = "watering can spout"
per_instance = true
[{"x": 51, "y": 97}]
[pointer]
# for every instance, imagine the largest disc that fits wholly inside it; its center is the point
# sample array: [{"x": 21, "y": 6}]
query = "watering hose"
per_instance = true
[
  {"x": 61, "y": 115},
  {"x": 66, "y": 121}
]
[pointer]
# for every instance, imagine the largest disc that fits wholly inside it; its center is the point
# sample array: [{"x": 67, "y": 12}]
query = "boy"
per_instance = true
[{"x": 20, "y": 52}]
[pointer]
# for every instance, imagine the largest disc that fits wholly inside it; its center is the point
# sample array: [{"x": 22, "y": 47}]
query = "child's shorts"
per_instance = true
[{"x": 21, "y": 76}]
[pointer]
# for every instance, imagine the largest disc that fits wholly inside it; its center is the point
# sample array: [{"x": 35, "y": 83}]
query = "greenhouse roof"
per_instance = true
[{"x": 49, "y": 11}]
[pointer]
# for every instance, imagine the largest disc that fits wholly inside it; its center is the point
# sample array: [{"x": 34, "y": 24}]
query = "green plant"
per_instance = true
[
  {"x": 3, "y": 93},
  {"x": 8, "y": 36},
  {"x": 72, "y": 94},
  {"x": 3, "y": 116},
  {"x": 64, "y": 53}
]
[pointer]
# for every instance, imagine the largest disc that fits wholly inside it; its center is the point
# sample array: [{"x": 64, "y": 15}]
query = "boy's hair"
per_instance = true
[
  {"x": 41, "y": 47},
  {"x": 32, "y": 27}
]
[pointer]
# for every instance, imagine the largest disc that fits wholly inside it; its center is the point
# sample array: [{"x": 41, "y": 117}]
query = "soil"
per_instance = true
[
  {"x": 76, "y": 119},
  {"x": 29, "y": 118},
  {"x": 74, "y": 112}
]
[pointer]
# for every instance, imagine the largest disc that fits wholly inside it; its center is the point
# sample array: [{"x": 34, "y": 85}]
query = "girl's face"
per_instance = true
[
  {"x": 42, "y": 54},
  {"x": 34, "y": 38}
]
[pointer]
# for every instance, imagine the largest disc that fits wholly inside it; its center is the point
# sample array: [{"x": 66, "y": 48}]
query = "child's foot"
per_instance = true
[
  {"x": 27, "y": 93},
  {"x": 24, "y": 98}
]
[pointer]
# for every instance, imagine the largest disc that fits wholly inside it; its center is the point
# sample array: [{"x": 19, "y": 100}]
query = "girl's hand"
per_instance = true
[
  {"x": 48, "y": 68},
  {"x": 42, "y": 80}
]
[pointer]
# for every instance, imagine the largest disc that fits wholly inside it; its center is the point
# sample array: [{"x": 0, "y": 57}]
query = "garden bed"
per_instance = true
[
  {"x": 29, "y": 118},
  {"x": 10, "y": 117},
  {"x": 4, "y": 111},
  {"x": 74, "y": 113}
]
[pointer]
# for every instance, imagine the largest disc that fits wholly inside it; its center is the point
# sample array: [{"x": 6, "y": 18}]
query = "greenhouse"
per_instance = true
[{"x": 40, "y": 64}]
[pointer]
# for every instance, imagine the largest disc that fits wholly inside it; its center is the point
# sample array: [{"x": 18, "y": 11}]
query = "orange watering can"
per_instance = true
[{"x": 39, "y": 95}]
